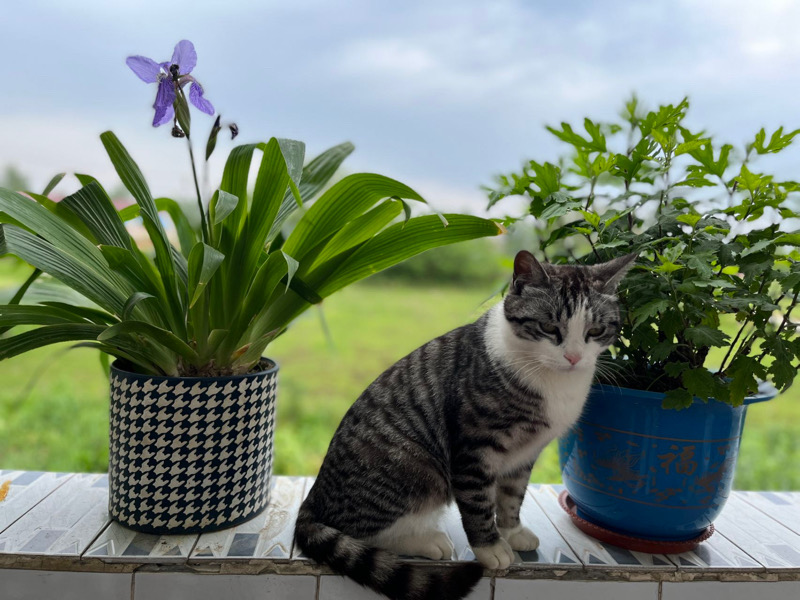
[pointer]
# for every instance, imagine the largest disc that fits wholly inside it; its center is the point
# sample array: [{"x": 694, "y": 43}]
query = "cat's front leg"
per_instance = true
[
  {"x": 474, "y": 490},
  {"x": 510, "y": 493}
]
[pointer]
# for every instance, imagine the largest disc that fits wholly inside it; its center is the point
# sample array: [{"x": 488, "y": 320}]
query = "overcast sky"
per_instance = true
[{"x": 441, "y": 95}]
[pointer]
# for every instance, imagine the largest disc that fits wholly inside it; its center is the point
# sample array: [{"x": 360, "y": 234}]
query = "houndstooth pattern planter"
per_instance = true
[{"x": 190, "y": 454}]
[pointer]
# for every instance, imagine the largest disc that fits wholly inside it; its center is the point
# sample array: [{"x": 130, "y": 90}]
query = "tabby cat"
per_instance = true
[{"x": 462, "y": 418}]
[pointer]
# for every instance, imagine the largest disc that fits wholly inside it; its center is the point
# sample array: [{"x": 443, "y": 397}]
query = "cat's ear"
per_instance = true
[
  {"x": 609, "y": 274},
  {"x": 527, "y": 271}
]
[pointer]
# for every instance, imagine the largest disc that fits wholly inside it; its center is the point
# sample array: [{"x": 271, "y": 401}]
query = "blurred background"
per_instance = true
[{"x": 441, "y": 96}]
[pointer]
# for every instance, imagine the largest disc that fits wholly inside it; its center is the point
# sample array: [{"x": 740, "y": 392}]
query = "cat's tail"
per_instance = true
[{"x": 381, "y": 570}]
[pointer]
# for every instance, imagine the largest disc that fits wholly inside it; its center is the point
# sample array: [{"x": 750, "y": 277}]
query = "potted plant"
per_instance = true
[
  {"x": 707, "y": 310},
  {"x": 192, "y": 397}
]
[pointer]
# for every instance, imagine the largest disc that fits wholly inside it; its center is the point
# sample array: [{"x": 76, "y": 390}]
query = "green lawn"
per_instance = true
[{"x": 61, "y": 422}]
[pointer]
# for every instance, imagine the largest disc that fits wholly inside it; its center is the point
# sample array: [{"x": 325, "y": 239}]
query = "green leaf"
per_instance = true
[
  {"x": 316, "y": 175},
  {"x": 689, "y": 219},
  {"x": 222, "y": 205},
  {"x": 31, "y": 314},
  {"x": 132, "y": 302},
  {"x": 402, "y": 241},
  {"x": 700, "y": 383},
  {"x": 46, "y": 335},
  {"x": 52, "y": 184},
  {"x": 291, "y": 268},
  {"x": 675, "y": 369},
  {"x": 100, "y": 287},
  {"x": 359, "y": 230},
  {"x": 150, "y": 332},
  {"x": 346, "y": 200},
  {"x": 203, "y": 263},
  {"x": 706, "y": 336},
  {"x": 649, "y": 310},
  {"x": 20, "y": 293},
  {"x": 186, "y": 233},
  {"x": 95, "y": 209},
  {"x": 677, "y": 399},
  {"x": 134, "y": 182},
  {"x": 597, "y": 143}
]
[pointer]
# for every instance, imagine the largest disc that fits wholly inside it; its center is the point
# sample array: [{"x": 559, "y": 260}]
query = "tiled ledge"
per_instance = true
[{"x": 55, "y": 535}]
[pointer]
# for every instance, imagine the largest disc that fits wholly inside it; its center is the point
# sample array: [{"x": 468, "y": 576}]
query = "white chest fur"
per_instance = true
[{"x": 564, "y": 393}]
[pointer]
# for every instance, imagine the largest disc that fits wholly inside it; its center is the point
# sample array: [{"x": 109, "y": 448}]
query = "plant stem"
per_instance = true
[{"x": 203, "y": 223}]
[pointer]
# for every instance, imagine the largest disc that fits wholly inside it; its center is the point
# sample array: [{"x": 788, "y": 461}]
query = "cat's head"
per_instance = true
[{"x": 566, "y": 314}]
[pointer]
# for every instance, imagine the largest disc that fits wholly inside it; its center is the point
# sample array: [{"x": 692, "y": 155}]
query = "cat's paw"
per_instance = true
[
  {"x": 432, "y": 544},
  {"x": 520, "y": 538},
  {"x": 441, "y": 548},
  {"x": 497, "y": 556}
]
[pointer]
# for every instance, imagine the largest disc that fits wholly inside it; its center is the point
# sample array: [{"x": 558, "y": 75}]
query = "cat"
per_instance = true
[{"x": 462, "y": 418}]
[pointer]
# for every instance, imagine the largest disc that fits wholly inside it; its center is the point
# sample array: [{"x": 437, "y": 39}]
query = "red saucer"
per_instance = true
[{"x": 629, "y": 542}]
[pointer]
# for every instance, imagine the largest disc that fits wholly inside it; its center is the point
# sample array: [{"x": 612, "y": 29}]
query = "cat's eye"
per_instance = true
[
  {"x": 548, "y": 328},
  {"x": 596, "y": 331}
]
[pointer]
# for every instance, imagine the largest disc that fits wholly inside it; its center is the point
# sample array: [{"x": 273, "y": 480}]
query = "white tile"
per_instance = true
[
  {"x": 18, "y": 584},
  {"x": 715, "y": 590},
  {"x": 64, "y": 522},
  {"x": 519, "y": 589},
  {"x": 186, "y": 586},
  {"x": 333, "y": 587},
  {"x": 268, "y": 535}
]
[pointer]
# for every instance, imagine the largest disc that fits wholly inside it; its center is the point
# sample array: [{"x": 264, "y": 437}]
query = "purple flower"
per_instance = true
[{"x": 169, "y": 75}]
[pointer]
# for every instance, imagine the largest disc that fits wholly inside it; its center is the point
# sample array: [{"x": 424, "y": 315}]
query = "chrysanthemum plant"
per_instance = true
[
  {"x": 708, "y": 307},
  {"x": 211, "y": 305}
]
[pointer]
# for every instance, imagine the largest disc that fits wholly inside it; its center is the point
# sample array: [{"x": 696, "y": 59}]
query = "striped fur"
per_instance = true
[{"x": 462, "y": 418}]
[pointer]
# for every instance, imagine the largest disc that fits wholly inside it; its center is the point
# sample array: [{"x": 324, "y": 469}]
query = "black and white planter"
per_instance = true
[{"x": 190, "y": 454}]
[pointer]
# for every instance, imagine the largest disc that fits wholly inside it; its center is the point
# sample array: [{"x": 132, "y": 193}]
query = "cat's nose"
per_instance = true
[{"x": 572, "y": 357}]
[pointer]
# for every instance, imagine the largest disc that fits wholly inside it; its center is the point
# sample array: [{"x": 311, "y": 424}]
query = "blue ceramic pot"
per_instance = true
[
  {"x": 190, "y": 454},
  {"x": 638, "y": 469}
]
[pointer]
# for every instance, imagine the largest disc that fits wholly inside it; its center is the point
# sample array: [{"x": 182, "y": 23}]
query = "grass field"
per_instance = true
[{"x": 61, "y": 422}]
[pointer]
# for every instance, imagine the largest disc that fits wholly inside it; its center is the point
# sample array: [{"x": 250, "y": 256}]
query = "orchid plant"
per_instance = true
[{"x": 211, "y": 305}]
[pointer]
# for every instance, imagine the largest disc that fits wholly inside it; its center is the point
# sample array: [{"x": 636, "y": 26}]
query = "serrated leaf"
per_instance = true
[
  {"x": 706, "y": 336},
  {"x": 677, "y": 399}
]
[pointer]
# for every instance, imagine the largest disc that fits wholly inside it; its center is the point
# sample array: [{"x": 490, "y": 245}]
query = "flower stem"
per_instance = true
[{"x": 203, "y": 223}]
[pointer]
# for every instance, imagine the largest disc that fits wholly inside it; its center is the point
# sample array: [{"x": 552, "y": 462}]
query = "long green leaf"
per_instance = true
[
  {"x": 31, "y": 314},
  {"x": 94, "y": 208},
  {"x": 155, "y": 334},
  {"x": 203, "y": 263},
  {"x": 53, "y": 183},
  {"x": 62, "y": 213},
  {"x": 186, "y": 233},
  {"x": 135, "y": 183},
  {"x": 46, "y": 335},
  {"x": 20, "y": 293},
  {"x": 271, "y": 182},
  {"x": 404, "y": 240},
  {"x": 222, "y": 204},
  {"x": 256, "y": 303},
  {"x": 346, "y": 200},
  {"x": 49, "y": 226},
  {"x": 43, "y": 255},
  {"x": 133, "y": 302},
  {"x": 316, "y": 175},
  {"x": 358, "y": 230}
]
